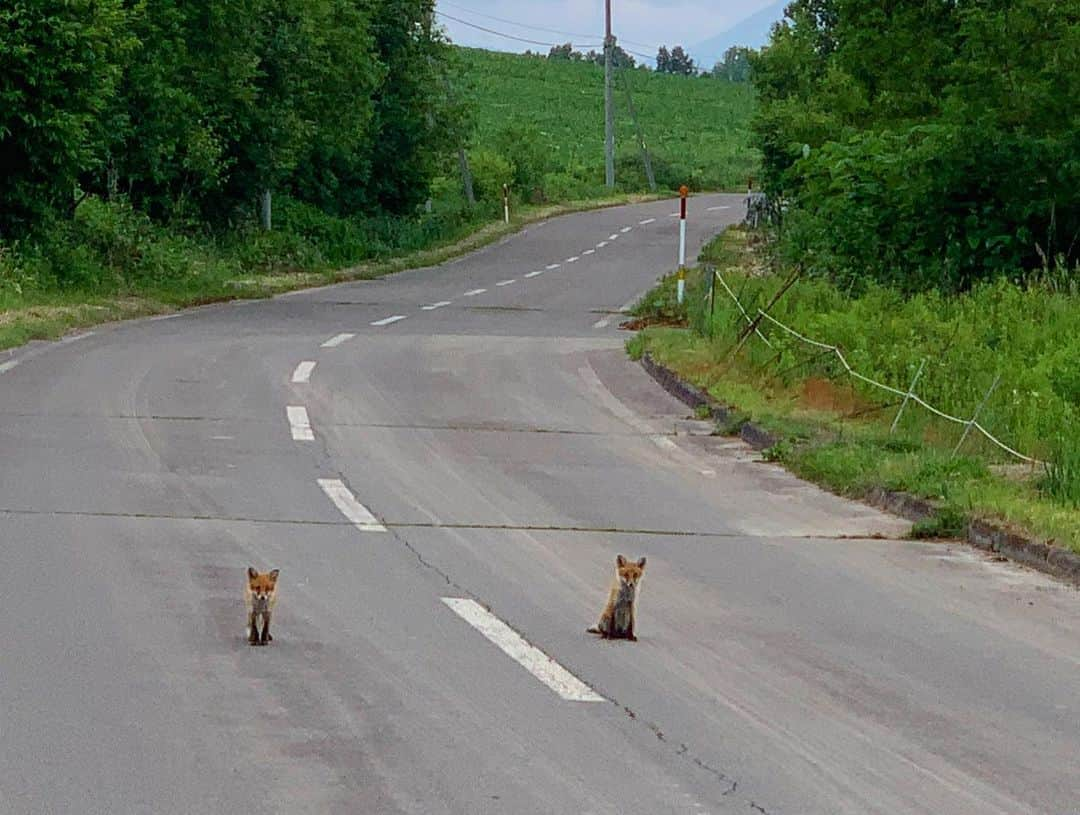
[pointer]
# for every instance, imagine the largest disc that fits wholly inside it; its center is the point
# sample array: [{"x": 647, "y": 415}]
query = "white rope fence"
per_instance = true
[{"x": 908, "y": 395}]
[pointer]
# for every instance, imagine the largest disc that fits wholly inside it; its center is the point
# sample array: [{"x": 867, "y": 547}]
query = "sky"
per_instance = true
[{"x": 640, "y": 25}]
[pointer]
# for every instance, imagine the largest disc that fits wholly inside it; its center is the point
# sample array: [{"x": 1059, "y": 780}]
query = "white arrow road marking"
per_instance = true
[
  {"x": 299, "y": 423},
  {"x": 646, "y": 221},
  {"x": 346, "y": 502},
  {"x": 531, "y": 658},
  {"x": 534, "y": 274},
  {"x": 303, "y": 371},
  {"x": 389, "y": 320},
  {"x": 335, "y": 341},
  {"x": 474, "y": 292},
  {"x": 434, "y": 306}
]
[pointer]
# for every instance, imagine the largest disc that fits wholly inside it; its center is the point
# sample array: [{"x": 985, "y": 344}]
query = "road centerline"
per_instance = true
[
  {"x": 434, "y": 306},
  {"x": 302, "y": 374},
  {"x": 506, "y": 282},
  {"x": 299, "y": 423},
  {"x": 474, "y": 292},
  {"x": 528, "y": 656},
  {"x": 389, "y": 320},
  {"x": 342, "y": 498},
  {"x": 336, "y": 340}
]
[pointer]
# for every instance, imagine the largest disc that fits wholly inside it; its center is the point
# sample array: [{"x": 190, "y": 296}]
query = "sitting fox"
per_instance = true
[
  {"x": 619, "y": 615},
  {"x": 260, "y": 594}
]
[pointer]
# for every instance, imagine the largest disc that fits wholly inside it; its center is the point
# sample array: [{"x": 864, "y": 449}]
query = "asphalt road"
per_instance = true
[{"x": 496, "y": 446}]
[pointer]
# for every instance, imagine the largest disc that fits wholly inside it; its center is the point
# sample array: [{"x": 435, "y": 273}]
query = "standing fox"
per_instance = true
[
  {"x": 619, "y": 615},
  {"x": 260, "y": 594}
]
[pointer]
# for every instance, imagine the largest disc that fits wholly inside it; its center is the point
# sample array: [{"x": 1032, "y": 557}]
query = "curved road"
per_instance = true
[{"x": 445, "y": 499}]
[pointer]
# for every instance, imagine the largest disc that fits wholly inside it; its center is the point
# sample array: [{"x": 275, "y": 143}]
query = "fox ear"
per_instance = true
[
  {"x": 274, "y": 574},
  {"x": 252, "y": 574},
  {"x": 641, "y": 563},
  {"x": 620, "y": 561}
]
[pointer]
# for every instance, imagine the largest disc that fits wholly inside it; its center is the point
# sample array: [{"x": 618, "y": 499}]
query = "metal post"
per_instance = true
[
  {"x": 683, "y": 192},
  {"x": 910, "y": 393},
  {"x": 971, "y": 422},
  {"x": 466, "y": 176},
  {"x": 609, "y": 112},
  {"x": 506, "y": 203},
  {"x": 264, "y": 210}
]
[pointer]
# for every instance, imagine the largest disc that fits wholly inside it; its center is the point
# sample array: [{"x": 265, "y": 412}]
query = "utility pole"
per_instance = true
[{"x": 609, "y": 112}]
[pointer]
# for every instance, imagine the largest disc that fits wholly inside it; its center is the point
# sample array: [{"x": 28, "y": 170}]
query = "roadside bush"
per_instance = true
[{"x": 490, "y": 171}]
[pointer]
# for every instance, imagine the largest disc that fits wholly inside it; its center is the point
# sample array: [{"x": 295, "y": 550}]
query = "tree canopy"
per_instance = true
[
  {"x": 925, "y": 144},
  {"x": 193, "y": 109}
]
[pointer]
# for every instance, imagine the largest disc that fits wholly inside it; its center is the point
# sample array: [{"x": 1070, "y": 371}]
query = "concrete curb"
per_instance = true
[{"x": 1044, "y": 557}]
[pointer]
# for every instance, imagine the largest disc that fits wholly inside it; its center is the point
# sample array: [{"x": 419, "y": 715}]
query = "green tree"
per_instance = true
[{"x": 60, "y": 62}]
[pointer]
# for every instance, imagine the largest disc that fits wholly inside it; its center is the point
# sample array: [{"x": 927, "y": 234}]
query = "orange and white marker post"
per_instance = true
[{"x": 681, "y": 290}]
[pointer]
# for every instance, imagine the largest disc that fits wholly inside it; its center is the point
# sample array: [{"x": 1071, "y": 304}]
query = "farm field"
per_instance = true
[{"x": 697, "y": 129}]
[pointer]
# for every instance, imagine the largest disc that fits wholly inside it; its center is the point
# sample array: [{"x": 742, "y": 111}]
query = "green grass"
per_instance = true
[
  {"x": 836, "y": 431},
  {"x": 697, "y": 129}
]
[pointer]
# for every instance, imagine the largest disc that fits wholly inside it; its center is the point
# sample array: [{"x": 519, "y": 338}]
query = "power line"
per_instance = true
[
  {"x": 504, "y": 34},
  {"x": 515, "y": 23},
  {"x": 534, "y": 27}
]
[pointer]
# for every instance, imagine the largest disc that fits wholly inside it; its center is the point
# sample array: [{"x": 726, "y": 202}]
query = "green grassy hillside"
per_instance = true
[{"x": 549, "y": 115}]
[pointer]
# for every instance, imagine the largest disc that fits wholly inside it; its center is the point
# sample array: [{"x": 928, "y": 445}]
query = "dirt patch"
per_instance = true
[
  {"x": 638, "y": 323},
  {"x": 825, "y": 395}
]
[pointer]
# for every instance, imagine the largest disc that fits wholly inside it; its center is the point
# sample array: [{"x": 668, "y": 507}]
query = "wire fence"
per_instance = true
[{"x": 909, "y": 395}]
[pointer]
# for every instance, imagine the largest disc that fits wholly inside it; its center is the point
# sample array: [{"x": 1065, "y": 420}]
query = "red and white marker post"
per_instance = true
[{"x": 681, "y": 289}]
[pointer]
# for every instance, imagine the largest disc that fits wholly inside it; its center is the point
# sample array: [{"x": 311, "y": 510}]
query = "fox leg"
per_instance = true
[
  {"x": 253, "y": 631},
  {"x": 630, "y": 631},
  {"x": 266, "y": 628}
]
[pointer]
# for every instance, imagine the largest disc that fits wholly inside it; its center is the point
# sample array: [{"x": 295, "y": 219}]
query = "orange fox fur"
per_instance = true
[
  {"x": 260, "y": 595},
  {"x": 620, "y": 614}
]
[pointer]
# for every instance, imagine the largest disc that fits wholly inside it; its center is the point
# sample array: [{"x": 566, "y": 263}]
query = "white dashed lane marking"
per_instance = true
[
  {"x": 534, "y": 274},
  {"x": 303, "y": 371},
  {"x": 626, "y": 229},
  {"x": 334, "y": 342},
  {"x": 505, "y": 282},
  {"x": 389, "y": 320},
  {"x": 528, "y": 656},
  {"x": 601, "y": 245},
  {"x": 674, "y": 215},
  {"x": 588, "y": 251},
  {"x": 434, "y": 306},
  {"x": 573, "y": 259},
  {"x": 346, "y": 502},
  {"x": 299, "y": 423},
  {"x": 713, "y": 209},
  {"x": 553, "y": 266},
  {"x": 646, "y": 221},
  {"x": 474, "y": 292},
  {"x": 613, "y": 236}
]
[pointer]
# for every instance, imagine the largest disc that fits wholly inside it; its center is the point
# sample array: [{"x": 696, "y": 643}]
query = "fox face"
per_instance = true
[
  {"x": 262, "y": 589},
  {"x": 628, "y": 574}
]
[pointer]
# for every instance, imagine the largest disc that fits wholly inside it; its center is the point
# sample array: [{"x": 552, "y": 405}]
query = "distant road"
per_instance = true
[{"x": 444, "y": 464}]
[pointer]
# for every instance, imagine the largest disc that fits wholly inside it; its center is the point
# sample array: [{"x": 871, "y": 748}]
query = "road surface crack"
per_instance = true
[{"x": 683, "y": 751}]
